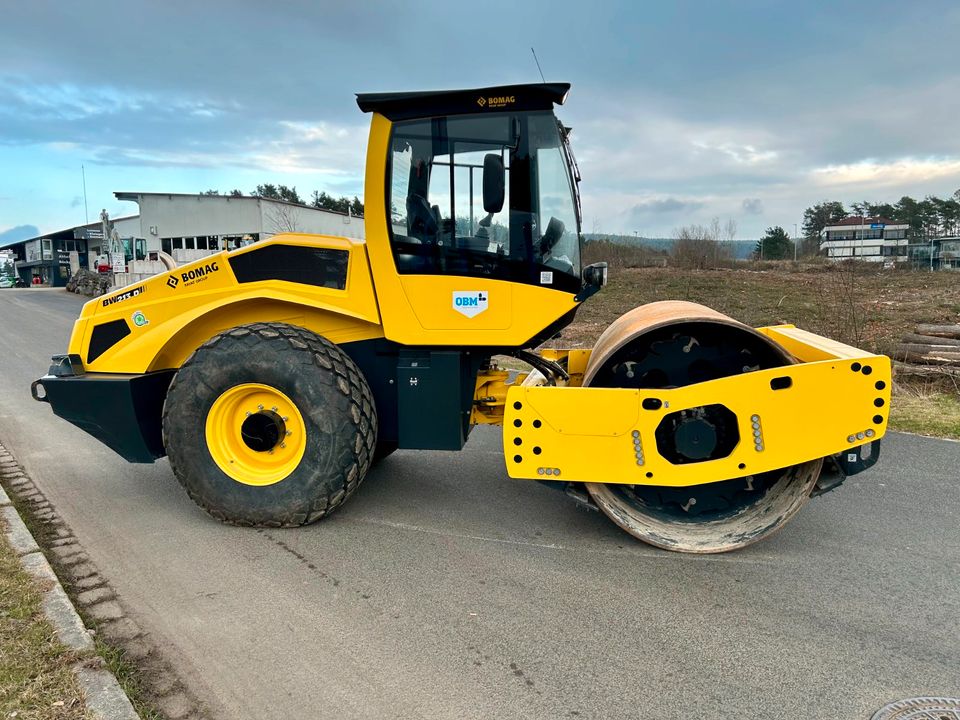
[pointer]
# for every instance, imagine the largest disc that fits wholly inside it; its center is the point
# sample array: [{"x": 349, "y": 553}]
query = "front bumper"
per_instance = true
[{"x": 124, "y": 412}]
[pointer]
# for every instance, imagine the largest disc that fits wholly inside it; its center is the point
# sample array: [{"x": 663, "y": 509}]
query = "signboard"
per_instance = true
[
  {"x": 877, "y": 226},
  {"x": 118, "y": 262},
  {"x": 87, "y": 234},
  {"x": 63, "y": 257}
]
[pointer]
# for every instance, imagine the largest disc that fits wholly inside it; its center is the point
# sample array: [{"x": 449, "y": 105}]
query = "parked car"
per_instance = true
[{"x": 7, "y": 282}]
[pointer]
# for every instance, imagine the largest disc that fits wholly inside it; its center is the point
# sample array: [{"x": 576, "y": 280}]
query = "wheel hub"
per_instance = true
[
  {"x": 255, "y": 434},
  {"x": 263, "y": 431}
]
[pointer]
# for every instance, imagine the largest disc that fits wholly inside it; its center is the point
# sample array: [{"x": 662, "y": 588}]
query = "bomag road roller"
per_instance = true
[{"x": 273, "y": 376}]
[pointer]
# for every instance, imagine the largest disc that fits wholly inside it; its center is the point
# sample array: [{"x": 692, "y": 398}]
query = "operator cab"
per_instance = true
[{"x": 482, "y": 183}]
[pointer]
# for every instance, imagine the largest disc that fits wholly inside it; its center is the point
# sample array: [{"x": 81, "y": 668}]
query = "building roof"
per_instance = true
[
  {"x": 857, "y": 221},
  {"x": 133, "y": 196},
  {"x": 408, "y": 105}
]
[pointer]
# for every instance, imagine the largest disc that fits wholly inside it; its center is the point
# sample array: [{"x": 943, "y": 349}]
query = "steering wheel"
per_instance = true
[
  {"x": 421, "y": 218},
  {"x": 555, "y": 230}
]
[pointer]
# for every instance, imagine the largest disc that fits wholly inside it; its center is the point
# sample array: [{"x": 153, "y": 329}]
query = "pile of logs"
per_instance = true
[{"x": 931, "y": 345}]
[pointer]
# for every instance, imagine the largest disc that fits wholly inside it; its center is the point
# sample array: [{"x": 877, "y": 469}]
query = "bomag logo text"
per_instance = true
[
  {"x": 497, "y": 102},
  {"x": 190, "y": 277}
]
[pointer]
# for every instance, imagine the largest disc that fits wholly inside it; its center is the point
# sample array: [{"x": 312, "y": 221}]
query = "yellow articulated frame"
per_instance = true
[{"x": 785, "y": 416}]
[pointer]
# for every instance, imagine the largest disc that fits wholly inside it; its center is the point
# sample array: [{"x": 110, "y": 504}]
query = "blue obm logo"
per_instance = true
[{"x": 470, "y": 303}]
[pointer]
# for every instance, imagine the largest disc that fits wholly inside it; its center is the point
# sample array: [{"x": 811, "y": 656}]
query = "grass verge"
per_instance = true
[
  {"x": 128, "y": 673},
  {"x": 36, "y": 679},
  {"x": 926, "y": 413}
]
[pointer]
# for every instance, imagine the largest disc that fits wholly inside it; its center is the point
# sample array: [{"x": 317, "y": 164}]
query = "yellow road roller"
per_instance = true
[{"x": 274, "y": 376}]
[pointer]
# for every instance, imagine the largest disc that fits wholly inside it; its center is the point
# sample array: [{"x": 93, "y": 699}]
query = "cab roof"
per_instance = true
[{"x": 429, "y": 103}]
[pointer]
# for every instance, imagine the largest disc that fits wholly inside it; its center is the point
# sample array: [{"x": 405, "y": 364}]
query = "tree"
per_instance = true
[
  {"x": 236, "y": 193},
  {"x": 906, "y": 211},
  {"x": 697, "y": 246},
  {"x": 210, "y": 192},
  {"x": 816, "y": 218},
  {"x": 775, "y": 244}
]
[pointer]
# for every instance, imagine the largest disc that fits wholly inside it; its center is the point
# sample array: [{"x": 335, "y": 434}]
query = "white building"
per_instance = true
[
  {"x": 191, "y": 226},
  {"x": 865, "y": 238},
  {"x": 187, "y": 227}
]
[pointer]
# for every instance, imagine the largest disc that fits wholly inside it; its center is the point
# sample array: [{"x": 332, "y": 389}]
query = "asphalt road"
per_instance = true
[{"x": 445, "y": 590}]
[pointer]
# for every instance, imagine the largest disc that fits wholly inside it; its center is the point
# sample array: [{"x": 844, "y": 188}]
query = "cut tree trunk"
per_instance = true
[
  {"x": 937, "y": 358},
  {"x": 929, "y": 340},
  {"x": 948, "y": 331}
]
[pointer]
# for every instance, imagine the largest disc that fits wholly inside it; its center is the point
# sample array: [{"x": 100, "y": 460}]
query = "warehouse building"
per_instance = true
[{"x": 186, "y": 227}]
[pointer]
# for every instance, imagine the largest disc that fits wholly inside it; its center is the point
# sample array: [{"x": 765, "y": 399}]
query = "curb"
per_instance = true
[{"x": 104, "y": 697}]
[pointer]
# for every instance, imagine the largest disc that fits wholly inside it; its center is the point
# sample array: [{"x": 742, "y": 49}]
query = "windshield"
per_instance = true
[{"x": 485, "y": 196}]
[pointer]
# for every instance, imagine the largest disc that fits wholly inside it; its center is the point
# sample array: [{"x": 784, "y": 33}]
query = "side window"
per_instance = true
[{"x": 439, "y": 169}]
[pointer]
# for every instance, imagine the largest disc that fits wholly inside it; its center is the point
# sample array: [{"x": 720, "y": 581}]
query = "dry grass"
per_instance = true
[
  {"x": 36, "y": 680},
  {"x": 816, "y": 297},
  {"x": 926, "y": 413}
]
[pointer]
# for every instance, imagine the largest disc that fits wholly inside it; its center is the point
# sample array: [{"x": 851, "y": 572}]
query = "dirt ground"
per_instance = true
[{"x": 867, "y": 307}]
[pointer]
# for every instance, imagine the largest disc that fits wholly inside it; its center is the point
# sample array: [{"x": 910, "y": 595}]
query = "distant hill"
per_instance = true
[
  {"x": 20, "y": 232},
  {"x": 742, "y": 249}
]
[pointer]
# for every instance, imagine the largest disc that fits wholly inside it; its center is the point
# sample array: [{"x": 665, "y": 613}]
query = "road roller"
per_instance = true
[{"x": 274, "y": 376}]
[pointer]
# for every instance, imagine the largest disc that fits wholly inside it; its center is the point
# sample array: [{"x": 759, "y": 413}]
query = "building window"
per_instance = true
[
  {"x": 189, "y": 244},
  {"x": 177, "y": 243},
  {"x": 47, "y": 248}
]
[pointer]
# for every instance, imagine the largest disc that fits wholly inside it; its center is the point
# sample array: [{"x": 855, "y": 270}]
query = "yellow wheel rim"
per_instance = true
[{"x": 255, "y": 434}]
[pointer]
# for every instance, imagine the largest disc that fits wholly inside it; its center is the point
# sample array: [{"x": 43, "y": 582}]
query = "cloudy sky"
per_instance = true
[{"x": 682, "y": 111}]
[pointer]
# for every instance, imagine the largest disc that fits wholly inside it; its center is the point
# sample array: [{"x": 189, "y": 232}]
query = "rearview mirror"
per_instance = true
[{"x": 494, "y": 181}]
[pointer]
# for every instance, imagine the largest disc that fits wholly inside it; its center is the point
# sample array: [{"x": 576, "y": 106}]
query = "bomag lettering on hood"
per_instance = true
[
  {"x": 192, "y": 276},
  {"x": 199, "y": 272}
]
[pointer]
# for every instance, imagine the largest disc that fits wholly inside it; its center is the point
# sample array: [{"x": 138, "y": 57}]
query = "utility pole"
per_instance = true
[
  {"x": 795, "y": 240},
  {"x": 86, "y": 214}
]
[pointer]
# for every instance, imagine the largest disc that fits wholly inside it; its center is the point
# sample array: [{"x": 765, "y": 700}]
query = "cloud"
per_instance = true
[
  {"x": 666, "y": 206},
  {"x": 872, "y": 173},
  {"x": 781, "y": 106}
]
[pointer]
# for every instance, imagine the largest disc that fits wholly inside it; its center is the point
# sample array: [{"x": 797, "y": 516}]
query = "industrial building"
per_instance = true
[
  {"x": 185, "y": 226},
  {"x": 871, "y": 239}
]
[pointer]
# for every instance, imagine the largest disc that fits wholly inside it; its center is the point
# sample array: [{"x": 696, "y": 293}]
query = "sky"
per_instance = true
[{"x": 682, "y": 111}]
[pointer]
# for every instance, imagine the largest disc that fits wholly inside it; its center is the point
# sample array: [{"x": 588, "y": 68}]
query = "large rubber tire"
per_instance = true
[{"x": 326, "y": 387}]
